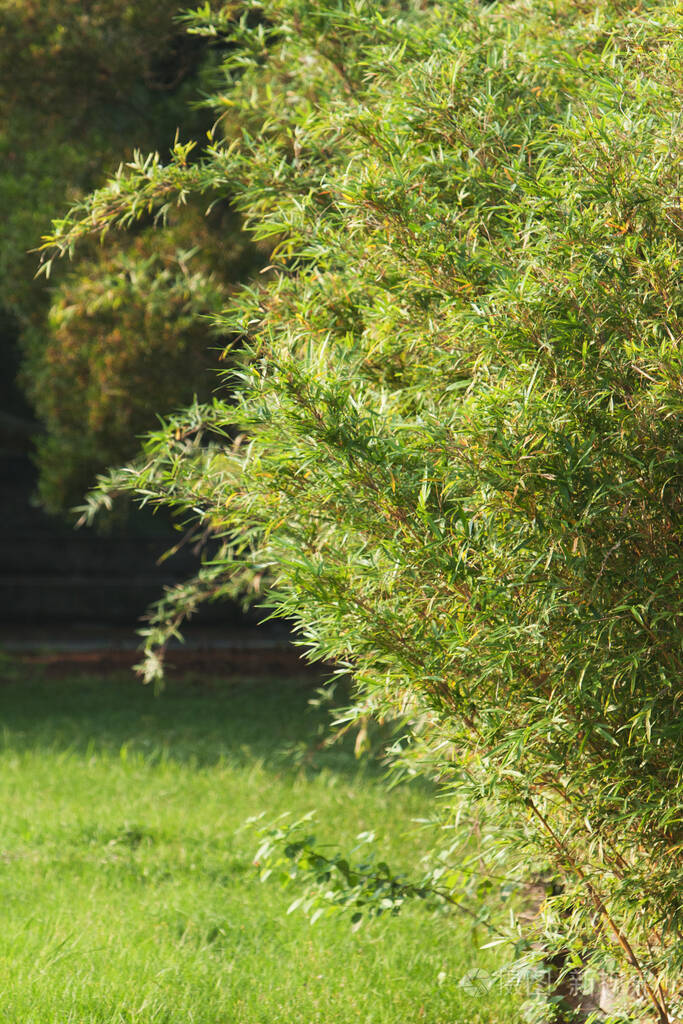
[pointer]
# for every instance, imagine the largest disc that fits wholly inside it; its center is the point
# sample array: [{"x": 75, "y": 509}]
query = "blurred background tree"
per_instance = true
[
  {"x": 125, "y": 336},
  {"x": 81, "y": 88}
]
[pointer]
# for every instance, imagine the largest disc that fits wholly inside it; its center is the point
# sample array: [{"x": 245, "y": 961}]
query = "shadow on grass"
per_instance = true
[{"x": 194, "y": 720}]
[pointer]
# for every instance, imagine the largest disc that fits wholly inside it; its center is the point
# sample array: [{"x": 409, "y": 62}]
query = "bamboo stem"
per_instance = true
[{"x": 600, "y": 906}]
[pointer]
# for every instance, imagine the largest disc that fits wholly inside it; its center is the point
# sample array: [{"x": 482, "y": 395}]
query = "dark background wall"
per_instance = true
[{"x": 52, "y": 573}]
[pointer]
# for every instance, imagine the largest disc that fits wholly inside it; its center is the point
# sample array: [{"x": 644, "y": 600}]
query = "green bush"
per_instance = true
[
  {"x": 100, "y": 80},
  {"x": 127, "y": 336},
  {"x": 79, "y": 85},
  {"x": 459, "y": 409}
]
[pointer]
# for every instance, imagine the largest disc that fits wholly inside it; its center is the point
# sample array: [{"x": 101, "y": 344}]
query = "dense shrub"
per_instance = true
[{"x": 459, "y": 409}]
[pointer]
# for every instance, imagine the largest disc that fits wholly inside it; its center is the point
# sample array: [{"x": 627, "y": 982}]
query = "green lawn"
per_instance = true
[{"x": 127, "y": 889}]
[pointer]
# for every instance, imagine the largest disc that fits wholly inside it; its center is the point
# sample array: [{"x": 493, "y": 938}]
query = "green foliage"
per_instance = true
[
  {"x": 97, "y": 79},
  {"x": 85, "y": 53},
  {"x": 127, "y": 335},
  {"x": 102, "y": 79},
  {"x": 369, "y": 887},
  {"x": 459, "y": 414}
]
